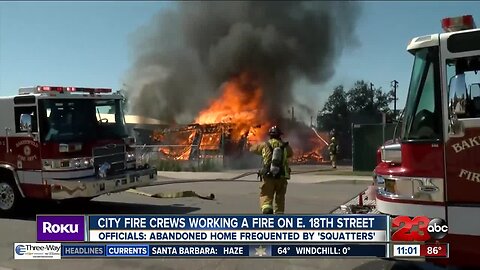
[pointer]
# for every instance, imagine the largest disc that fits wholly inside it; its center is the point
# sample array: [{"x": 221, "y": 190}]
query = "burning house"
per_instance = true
[
  {"x": 215, "y": 141},
  {"x": 231, "y": 124},
  {"x": 195, "y": 142}
]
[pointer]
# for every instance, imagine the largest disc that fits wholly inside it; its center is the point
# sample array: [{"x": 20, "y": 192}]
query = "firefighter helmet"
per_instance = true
[{"x": 275, "y": 131}]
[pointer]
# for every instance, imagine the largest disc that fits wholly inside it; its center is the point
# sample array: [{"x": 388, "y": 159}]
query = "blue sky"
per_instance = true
[{"x": 89, "y": 43}]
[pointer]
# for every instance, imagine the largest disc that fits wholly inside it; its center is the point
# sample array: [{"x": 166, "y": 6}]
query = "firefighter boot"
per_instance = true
[{"x": 267, "y": 211}]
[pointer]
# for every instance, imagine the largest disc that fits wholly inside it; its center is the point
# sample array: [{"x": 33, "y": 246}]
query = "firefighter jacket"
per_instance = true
[
  {"x": 333, "y": 148},
  {"x": 263, "y": 150}
]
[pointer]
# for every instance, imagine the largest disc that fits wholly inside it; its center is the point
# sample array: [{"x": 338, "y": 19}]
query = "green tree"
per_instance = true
[
  {"x": 363, "y": 98},
  {"x": 334, "y": 110},
  {"x": 337, "y": 102},
  {"x": 361, "y": 104}
]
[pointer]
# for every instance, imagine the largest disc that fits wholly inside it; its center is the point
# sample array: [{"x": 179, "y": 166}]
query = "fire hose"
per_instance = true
[
  {"x": 185, "y": 194},
  {"x": 189, "y": 193},
  {"x": 173, "y": 195},
  {"x": 316, "y": 133}
]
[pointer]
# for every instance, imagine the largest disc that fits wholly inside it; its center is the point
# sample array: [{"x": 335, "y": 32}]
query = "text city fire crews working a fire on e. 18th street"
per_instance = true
[{"x": 275, "y": 172}]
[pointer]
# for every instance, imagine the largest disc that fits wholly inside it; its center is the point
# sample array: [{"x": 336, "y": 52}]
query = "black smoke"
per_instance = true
[{"x": 185, "y": 54}]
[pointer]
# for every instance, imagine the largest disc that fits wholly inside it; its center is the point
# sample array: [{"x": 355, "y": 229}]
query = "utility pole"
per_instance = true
[
  {"x": 395, "y": 85},
  {"x": 373, "y": 93}
]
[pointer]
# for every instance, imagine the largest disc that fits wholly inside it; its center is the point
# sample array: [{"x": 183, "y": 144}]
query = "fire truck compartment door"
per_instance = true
[{"x": 463, "y": 165}]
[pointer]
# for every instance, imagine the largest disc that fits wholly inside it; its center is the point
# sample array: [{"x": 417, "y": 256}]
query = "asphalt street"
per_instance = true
[{"x": 308, "y": 193}]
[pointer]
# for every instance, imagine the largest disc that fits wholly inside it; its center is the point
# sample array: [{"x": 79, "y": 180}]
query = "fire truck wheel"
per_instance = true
[{"x": 9, "y": 197}]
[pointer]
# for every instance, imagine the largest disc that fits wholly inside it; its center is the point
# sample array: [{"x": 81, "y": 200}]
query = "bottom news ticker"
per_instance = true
[{"x": 70, "y": 250}]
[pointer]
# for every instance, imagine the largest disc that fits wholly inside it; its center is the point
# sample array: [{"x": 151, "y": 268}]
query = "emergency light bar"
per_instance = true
[
  {"x": 453, "y": 24},
  {"x": 61, "y": 89}
]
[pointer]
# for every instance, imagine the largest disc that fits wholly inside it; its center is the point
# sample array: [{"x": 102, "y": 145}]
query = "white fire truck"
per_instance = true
[
  {"x": 433, "y": 169},
  {"x": 56, "y": 145}
]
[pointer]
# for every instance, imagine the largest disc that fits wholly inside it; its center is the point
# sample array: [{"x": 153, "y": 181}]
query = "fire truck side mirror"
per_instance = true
[
  {"x": 457, "y": 104},
  {"x": 26, "y": 122},
  {"x": 458, "y": 95}
]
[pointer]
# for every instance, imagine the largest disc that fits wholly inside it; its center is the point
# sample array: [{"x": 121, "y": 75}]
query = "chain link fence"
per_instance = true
[
  {"x": 196, "y": 158},
  {"x": 181, "y": 157}
]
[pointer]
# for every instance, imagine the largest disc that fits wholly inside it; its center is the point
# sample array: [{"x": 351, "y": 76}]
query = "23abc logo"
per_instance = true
[{"x": 435, "y": 228}]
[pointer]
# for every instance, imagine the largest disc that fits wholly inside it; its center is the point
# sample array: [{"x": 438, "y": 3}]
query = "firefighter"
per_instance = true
[
  {"x": 275, "y": 171},
  {"x": 333, "y": 149}
]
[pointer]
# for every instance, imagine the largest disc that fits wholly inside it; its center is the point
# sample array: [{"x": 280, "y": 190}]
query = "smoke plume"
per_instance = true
[{"x": 185, "y": 54}]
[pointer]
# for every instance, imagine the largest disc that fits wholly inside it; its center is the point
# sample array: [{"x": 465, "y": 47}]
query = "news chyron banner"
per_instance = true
[
  {"x": 237, "y": 229},
  {"x": 216, "y": 236}
]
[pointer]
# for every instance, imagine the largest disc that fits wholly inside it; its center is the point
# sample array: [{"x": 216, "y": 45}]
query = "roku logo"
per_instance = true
[
  {"x": 59, "y": 228},
  {"x": 435, "y": 229}
]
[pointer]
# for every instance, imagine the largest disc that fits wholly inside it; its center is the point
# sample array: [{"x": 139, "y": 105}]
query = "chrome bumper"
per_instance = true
[
  {"x": 93, "y": 187},
  {"x": 410, "y": 188}
]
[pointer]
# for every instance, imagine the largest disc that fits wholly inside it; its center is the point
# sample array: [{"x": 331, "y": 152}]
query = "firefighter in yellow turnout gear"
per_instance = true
[
  {"x": 333, "y": 149},
  {"x": 275, "y": 172}
]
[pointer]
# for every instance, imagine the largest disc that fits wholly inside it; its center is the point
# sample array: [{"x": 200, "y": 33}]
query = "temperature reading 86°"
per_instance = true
[
  {"x": 283, "y": 250},
  {"x": 345, "y": 250},
  {"x": 433, "y": 250}
]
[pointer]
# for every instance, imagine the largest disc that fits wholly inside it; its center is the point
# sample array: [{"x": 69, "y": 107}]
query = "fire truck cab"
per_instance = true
[
  {"x": 433, "y": 168},
  {"x": 56, "y": 145}
]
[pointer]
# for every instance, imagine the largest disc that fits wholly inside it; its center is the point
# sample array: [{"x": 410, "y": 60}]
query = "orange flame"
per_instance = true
[
  {"x": 240, "y": 104},
  {"x": 314, "y": 153}
]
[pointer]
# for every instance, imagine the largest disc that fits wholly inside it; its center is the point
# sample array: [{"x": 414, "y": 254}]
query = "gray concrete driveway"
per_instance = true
[{"x": 308, "y": 193}]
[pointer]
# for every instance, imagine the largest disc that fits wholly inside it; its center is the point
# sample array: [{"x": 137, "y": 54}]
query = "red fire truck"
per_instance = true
[
  {"x": 56, "y": 145},
  {"x": 433, "y": 169}
]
